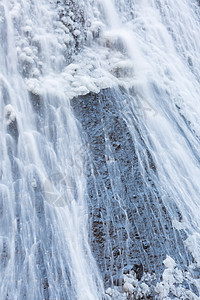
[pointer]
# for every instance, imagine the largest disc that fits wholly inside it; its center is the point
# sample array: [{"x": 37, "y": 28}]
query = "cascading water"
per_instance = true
[
  {"x": 100, "y": 164},
  {"x": 44, "y": 246}
]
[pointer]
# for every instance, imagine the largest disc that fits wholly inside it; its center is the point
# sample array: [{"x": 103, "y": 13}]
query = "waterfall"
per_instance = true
[
  {"x": 44, "y": 245},
  {"x": 100, "y": 149}
]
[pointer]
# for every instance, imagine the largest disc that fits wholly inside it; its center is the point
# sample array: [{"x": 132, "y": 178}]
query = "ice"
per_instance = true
[{"x": 193, "y": 244}]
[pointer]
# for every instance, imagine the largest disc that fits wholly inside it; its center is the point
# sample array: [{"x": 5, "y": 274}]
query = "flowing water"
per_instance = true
[{"x": 100, "y": 148}]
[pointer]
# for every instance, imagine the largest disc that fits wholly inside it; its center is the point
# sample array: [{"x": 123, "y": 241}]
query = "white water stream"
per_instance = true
[{"x": 162, "y": 43}]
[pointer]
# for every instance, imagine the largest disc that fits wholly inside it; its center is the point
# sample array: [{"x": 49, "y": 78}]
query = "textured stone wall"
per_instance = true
[{"x": 130, "y": 227}]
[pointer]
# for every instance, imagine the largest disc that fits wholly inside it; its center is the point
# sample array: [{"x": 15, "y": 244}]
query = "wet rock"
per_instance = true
[{"x": 130, "y": 228}]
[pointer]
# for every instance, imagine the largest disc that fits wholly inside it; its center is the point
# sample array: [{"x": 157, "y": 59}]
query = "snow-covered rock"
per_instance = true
[{"x": 10, "y": 114}]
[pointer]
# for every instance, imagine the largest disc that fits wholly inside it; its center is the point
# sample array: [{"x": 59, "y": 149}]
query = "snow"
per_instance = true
[
  {"x": 131, "y": 287},
  {"x": 128, "y": 288},
  {"x": 27, "y": 29},
  {"x": 172, "y": 282},
  {"x": 34, "y": 86},
  {"x": 77, "y": 32},
  {"x": 10, "y": 114},
  {"x": 15, "y": 11}
]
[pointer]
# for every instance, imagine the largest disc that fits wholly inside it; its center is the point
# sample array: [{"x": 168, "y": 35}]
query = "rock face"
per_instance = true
[{"x": 130, "y": 228}]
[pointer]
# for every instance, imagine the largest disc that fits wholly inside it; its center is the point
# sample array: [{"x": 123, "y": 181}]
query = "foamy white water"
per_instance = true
[
  {"x": 44, "y": 243},
  {"x": 167, "y": 83}
]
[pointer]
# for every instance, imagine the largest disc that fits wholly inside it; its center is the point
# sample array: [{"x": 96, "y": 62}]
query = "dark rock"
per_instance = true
[{"x": 130, "y": 227}]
